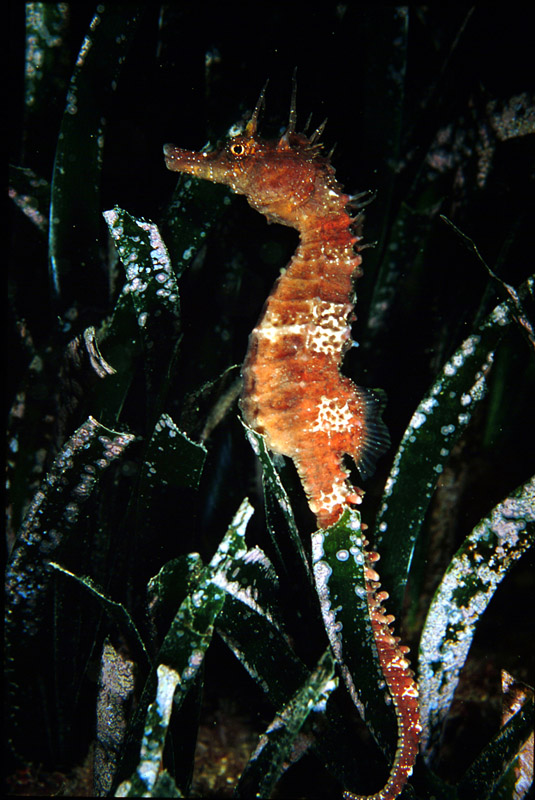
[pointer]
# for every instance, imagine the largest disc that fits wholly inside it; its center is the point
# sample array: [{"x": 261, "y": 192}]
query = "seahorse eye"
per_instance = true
[{"x": 237, "y": 149}]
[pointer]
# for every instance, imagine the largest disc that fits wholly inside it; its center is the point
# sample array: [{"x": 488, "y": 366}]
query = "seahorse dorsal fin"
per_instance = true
[{"x": 252, "y": 125}]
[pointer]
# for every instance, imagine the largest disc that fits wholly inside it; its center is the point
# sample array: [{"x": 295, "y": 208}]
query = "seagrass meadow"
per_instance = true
[{"x": 175, "y": 623}]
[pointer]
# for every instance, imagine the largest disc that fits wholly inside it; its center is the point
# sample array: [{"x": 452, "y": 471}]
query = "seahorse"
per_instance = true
[{"x": 293, "y": 391}]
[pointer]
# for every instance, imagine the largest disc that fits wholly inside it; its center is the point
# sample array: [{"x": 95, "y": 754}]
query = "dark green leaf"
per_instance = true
[
  {"x": 195, "y": 207},
  {"x": 471, "y": 579},
  {"x": 191, "y": 630},
  {"x": 172, "y": 458},
  {"x": 146, "y": 781},
  {"x": 277, "y": 500},
  {"x": 31, "y": 194},
  {"x": 384, "y": 131},
  {"x": 274, "y": 665},
  {"x": 436, "y": 425},
  {"x": 261, "y": 645},
  {"x": 486, "y": 772},
  {"x": 150, "y": 278},
  {"x": 53, "y": 515},
  {"x": 165, "y": 786},
  {"x": 338, "y": 560},
  {"x": 266, "y": 764},
  {"x": 119, "y": 337},
  {"x": 75, "y": 261},
  {"x": 206, "y": 407},
  {"x": 46, "y": 26},
  {"x": 506, "y": 290},
  {"x": 27, "y": 438},
  {"x": 265, "y": 652},
  {"x": 189, "y": 636},
  {"x": 251, "y": 579},
  {"x": 56, "y": 514},
  {"x": 116, "y": 688},
  {"x": 171, "y": 585},
  {"x": 152, "y": 287},
  {"x": 116, "y": 611}
]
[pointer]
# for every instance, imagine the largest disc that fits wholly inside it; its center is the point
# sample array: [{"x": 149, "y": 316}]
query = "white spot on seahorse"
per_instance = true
[{"x": 333, "y": 416}]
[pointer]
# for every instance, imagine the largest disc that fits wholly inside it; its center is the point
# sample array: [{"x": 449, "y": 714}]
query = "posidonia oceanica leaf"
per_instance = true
[
  {"x": 338, "y": 562},
  {"x": 31, "y": 195},
  {"x": 505, "y": 289},
  {"x": 56, "y": 514},
  {"x": 167, "y": 589},
  {"x": 191, "y": 630},
  {"x": 251, "y": 580},
  {"x": 407, "y": 238},
  {"x": 151, "y": 284},
  {"x": 26, "y": 437},
  {"x": 120, "y": 338},
  {"x": 47, "y": 27},
  {"x": 190, "y": 633},
  {"x": 265, "y": 651},
  {"x": 463, "y": 595},
  {"x": 436, "y": 425},
  {"x": 486, "y": 774},
  {"x": 390, "y": 32},
  {"x": 146, "y": 781},
  {"x": 266, "y": 764},
  {"x": 116, "y": 690},
  {"x": 250, "y": 624},
  {"x": 185, "y": 645},
  {"x": 172, "y": 458},
  {"x": 74, "y": 262},
  {"x": 274, "y": 666},
  {"x": 517, "y": 778},
  {"x": 277, "y": 501},
  {"x": 116, "y": 611},
  {"x": 53, "y": 515},
  {"x": 150, "y": 278},
  {"x": 194, "y": 209}
]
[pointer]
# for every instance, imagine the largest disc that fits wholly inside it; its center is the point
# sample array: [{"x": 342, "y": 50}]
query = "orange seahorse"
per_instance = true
[{"x": 293, "y": 391}]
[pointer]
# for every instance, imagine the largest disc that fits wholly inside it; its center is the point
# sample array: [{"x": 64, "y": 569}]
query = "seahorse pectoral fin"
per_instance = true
[{"x": 374, "y": 439}]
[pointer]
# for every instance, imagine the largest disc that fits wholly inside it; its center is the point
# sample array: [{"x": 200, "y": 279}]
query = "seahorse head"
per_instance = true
[{"x": 284, "y": 179}]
